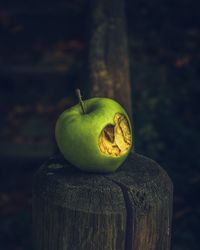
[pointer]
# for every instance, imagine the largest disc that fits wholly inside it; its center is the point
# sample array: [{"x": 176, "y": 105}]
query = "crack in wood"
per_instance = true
[{"x": 129, "y": 215}]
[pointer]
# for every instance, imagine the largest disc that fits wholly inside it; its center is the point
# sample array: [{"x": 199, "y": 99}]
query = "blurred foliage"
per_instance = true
[{"x": 165, "y": 104}]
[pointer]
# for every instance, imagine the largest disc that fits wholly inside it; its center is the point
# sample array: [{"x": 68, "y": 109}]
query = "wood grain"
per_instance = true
[{"x": 126, "y": 210}]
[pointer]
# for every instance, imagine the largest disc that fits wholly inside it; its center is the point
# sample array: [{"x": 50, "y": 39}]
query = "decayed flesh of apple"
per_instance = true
[{"x": 115, "y": 140}]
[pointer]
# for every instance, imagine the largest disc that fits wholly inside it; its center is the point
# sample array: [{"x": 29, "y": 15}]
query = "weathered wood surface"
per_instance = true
[
  {"x": 126, "y": 210},
  {"x": 108, "y": 52}
]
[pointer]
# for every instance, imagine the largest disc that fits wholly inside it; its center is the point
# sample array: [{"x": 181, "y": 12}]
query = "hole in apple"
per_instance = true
[
  {"x": 115, "y": 140},
  {"x": 109, "y": 133}
]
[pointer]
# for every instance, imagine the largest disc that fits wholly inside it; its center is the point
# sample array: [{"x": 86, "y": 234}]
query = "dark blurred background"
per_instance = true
[{"x": 42, "y": 57}]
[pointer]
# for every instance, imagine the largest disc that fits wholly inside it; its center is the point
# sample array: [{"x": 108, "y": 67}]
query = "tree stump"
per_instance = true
[{"x": 129, "y": 209}]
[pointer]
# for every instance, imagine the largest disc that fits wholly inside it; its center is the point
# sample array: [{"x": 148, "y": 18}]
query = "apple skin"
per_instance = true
[{"x": 77, "y": 135}]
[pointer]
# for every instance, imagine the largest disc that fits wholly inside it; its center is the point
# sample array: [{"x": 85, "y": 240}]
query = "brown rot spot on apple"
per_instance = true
[{"x": 115, "y": 140}]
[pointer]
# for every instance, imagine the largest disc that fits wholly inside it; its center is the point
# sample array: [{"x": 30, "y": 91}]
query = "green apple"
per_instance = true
[{"x": 95, "y": 135}]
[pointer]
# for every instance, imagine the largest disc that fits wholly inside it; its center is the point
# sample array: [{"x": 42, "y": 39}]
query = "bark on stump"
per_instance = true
[{"x": 126, "y": 210}]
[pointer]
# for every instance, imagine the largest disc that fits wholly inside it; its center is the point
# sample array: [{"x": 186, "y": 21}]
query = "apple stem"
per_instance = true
[{"x": 78, "y": 93}]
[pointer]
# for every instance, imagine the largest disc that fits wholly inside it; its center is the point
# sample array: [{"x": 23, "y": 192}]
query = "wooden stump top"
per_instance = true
[
  {"x": 137, "y": 197},
  {"x": 64, "y": 184}
]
